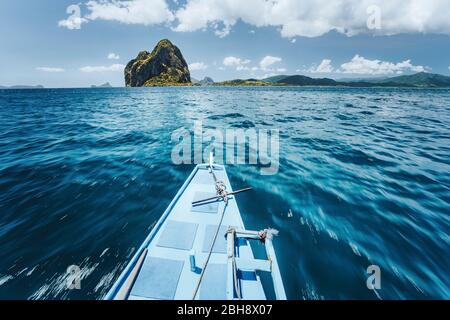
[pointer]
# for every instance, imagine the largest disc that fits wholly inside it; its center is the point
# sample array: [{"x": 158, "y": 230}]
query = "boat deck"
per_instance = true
[{"x": 185, "y": 230}]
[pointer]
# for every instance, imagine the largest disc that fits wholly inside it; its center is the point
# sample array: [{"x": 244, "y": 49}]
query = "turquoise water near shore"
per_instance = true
[{"x": 363, "y": 179}]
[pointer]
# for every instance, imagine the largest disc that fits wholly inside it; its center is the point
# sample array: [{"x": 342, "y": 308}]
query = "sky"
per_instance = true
[{"x": 66, "y": 43}]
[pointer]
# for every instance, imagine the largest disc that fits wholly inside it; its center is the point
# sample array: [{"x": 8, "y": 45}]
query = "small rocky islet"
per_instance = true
[{"x": 164, "y": 66}]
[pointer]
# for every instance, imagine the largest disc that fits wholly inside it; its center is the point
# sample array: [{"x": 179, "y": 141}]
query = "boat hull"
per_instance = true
[{"x": 169, "y": 263}]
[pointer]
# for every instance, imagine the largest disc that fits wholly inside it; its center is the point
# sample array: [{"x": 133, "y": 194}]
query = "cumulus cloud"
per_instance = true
[
  {"x": 308, "y": 18},
  {"x": 324, "y": 67},
  {"x": 144, "y": 12},
  {"x": 361, "y": 65},
  {"x": 238, "y": 63},
  {"x": 72, "y": 23},
  {"x": 196, "y": 66},
  {"x": 50, "y": 69},
  {"x": 113, "y": 56},
  {"x": 312, "y": 18},
  {"x": 200, "y": 14},
  {"x": 266, "y": 65},
  {"x": 111, "y": 68},
  {"x": 267, "y": 61}
]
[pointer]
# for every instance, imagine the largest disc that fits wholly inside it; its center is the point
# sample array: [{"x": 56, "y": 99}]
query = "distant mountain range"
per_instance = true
[
  {"x": 22, "y": 87},
  {"x": 418, "y": 80},
  {"x": 421, "y": 80},
  {"x": 299, "y": 80}
]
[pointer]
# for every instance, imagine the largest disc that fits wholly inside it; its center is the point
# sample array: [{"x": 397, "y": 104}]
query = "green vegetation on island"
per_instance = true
[
  {"x": 246, "y": 82},
  {"x": 421, "y": 79},
  {"x": 418, "y": 80}
]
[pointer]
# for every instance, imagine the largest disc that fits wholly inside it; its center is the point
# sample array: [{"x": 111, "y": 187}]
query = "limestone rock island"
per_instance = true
[{"x": 164, "y": 66}]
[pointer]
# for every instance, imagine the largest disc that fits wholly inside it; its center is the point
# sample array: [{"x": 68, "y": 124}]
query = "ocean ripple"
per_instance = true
[{"x": 363, "y": 179}]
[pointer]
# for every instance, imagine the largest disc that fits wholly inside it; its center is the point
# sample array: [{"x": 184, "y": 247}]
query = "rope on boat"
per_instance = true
[
  {"x": 199, "y": 202},
  {"x": 221, "y": 191},
  {"x": 209, "y": 253},
  {"x": 220, "y": 188}
]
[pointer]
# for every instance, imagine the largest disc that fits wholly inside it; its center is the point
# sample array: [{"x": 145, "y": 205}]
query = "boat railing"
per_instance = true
[{"x": 235, "y": 263}]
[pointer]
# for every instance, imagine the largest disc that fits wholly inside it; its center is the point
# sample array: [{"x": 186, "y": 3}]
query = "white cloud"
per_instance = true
[
  {"x": 361, "y": 65},
  {"x": 72, "y": 23},
  {"x": 324, "y": 67},
  {"x": 200, "y": 14},
  {"x": 312, "y": 18},
  {"x": 113, "y": 56},
  {"x": 234, "y": 61},
  {"x": 293, "y": 40},
  {"x": 50, "y": 69},
  {"x": 240, "y": 64},
  {"x": 196, "y": 66},
  {"x": 111, "y": 68},
  {"x": 145, "y": 12},
  {"x": 223, "y": 32},
  {"x": 267, "y": 61},
  {"x": 308, "y": 18}
]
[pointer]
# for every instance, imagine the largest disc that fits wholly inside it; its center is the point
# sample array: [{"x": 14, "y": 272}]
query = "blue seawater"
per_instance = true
[{"x": 364, "y": 179}]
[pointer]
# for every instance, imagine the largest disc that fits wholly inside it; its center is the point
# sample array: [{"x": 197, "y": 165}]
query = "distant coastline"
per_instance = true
[
  {"x": 419, "y": 80},
  {"x": 21, "y": 87}
]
